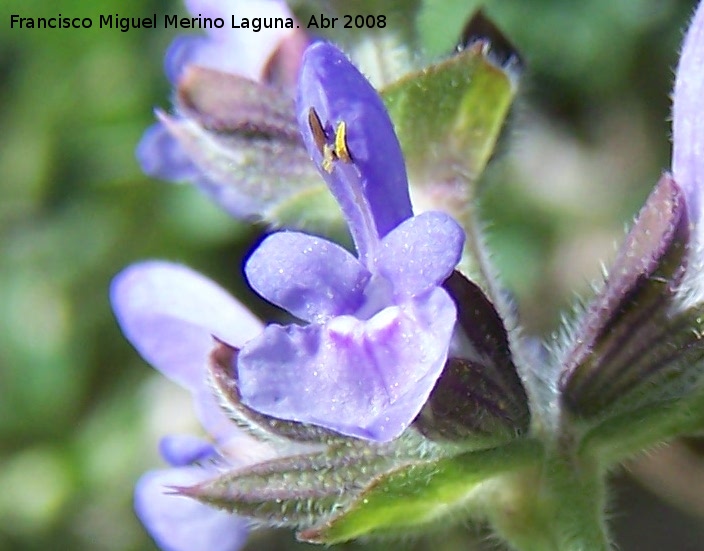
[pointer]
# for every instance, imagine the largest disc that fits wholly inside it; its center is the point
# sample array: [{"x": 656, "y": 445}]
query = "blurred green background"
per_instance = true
[{"x": 80, "y": 413}]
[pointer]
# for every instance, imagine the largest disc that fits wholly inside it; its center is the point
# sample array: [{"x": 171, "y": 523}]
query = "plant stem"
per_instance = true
[{"x": 559, "y": 507}]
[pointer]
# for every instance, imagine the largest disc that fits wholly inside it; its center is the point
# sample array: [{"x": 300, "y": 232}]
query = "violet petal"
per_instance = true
[
  {"x": 179, "y": 523},
  {"x": 180, "y": 450},
  {"x": 420, "y": 253},
  {"x": 367, "y": 379},
  {"x": 171, "y": 313},
  {"x": 311, "y": 277},
  {"x": 161, "y": 156}
]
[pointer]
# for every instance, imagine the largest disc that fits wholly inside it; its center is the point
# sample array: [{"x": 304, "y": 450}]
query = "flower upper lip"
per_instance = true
[{"x": 373, "y": 190}]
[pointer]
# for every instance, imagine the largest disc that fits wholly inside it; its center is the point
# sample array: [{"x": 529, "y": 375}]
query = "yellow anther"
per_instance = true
[
  {"x": 341, "y": 143},
  {"x": 330, "y": 152}
]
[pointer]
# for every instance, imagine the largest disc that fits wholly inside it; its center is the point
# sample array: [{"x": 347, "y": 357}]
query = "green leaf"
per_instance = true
[{"x": 412, "y": 496}]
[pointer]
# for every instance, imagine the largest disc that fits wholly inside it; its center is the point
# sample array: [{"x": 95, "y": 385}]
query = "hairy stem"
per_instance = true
[{"x": 558, "y": 507}]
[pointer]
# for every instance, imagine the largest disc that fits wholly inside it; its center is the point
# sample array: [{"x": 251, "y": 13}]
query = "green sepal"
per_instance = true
[
  {"x": 449, "y": 118},
  {"x": 296, "y": 490},
  {"x": 222, "y": 377},
  {"x": 412, "y": 497},
  {"x": 243, "y": 136},
  {"x": 637, "y": 344},
  {"x": 632, "y": 376},
  {"x": 309, "y": 482}
]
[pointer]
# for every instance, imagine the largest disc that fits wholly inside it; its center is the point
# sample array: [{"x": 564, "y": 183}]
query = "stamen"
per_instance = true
[{"x": 330, "y": 152}]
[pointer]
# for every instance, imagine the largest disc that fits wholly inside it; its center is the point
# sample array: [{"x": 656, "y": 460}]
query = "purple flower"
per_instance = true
[
  {"x": 171, "y": 314},
  {"x": 379, "y": 326},
  {"x": 688, "y": 116},
  {"x": 270, "y": 55}
]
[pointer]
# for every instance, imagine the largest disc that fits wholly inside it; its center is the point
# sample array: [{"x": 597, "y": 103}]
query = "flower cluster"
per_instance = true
[{"x": 398, "y": 389}]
